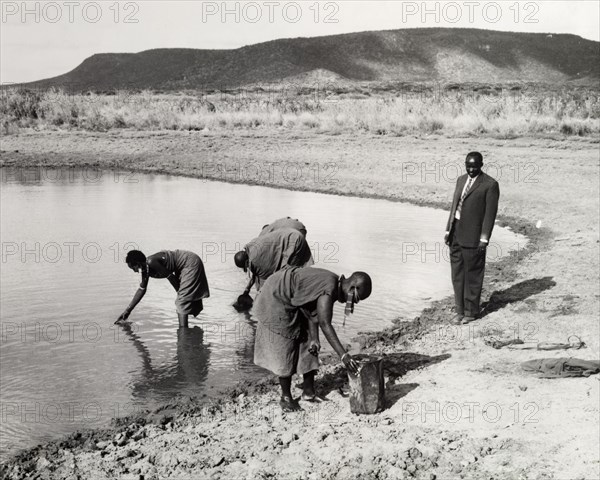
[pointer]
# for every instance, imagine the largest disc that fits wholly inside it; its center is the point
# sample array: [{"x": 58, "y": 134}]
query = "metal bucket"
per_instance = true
[{"x": 367, "y": 389}]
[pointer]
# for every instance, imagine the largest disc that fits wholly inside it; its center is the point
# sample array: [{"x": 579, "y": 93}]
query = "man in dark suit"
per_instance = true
[{"x": 468, "y": 233}]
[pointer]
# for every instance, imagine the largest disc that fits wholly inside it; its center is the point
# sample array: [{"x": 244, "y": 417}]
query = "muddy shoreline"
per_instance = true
[{"x": 186, "y": 414}]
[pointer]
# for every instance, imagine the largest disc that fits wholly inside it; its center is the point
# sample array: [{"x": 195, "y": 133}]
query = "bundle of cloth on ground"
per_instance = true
[{"x": 561, "y": 367}]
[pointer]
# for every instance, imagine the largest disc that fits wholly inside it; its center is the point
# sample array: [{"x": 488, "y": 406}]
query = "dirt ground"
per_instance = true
[{"x": 456, "y": 407}]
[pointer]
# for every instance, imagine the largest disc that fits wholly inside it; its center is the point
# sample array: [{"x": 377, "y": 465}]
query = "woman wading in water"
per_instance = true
[{"x": 183, "y": 269}]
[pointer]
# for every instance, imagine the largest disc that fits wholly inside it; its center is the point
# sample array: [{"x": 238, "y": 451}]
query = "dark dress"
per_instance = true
[
  {"x": 273, "y": 251},
  {"x": 284, "y": 304},
  {"x": 189, "y": 269},
  {"x": 286, "y": 222}
]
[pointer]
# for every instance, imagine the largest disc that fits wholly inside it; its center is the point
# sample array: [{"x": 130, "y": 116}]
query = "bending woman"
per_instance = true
[
  {"x": 290, "y": 307},
  {"x": 183, "y": 269},
  {"x": 271, "y": 252}
]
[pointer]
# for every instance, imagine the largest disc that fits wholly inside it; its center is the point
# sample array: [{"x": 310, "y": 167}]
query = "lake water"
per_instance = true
[{"x": 65, "y": 233}]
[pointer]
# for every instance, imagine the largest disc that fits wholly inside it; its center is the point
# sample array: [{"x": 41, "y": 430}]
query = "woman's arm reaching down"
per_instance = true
[
  {"x": 314, "y": 346},
  {"x": 139, "y": 294},
  {"x": 250, "y": 284},
  {"x": 325, "y": 314}
]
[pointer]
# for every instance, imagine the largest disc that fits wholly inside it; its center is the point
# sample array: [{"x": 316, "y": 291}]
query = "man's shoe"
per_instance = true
[
  {"x": 468, "y": 319},
  {"x": 457, "y": 319}
]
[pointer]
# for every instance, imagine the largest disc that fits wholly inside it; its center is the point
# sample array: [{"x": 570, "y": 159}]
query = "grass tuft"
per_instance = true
[{"x": 504, "y": 113}]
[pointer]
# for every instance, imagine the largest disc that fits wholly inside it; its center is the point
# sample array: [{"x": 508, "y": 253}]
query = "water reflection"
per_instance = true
[
  {"x": 193, "y": 357},
  {"x": 140, "y": 346},
  {"x": 189, "y": 366},
  {"x": 245, "y": 349}
]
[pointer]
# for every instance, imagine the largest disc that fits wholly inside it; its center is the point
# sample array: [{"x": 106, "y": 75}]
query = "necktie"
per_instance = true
[{"x": 459, "y": 207}]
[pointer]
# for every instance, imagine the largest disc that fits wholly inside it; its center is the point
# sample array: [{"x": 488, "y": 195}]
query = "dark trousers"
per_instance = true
[{"x": 468, "y": 267}]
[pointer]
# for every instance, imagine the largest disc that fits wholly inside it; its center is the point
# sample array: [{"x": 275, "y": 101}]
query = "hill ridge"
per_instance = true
[{"x": 405, "y": 55}]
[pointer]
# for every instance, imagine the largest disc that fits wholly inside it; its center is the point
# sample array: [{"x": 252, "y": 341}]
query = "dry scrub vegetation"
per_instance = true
[{"x": 455, "y": 110}]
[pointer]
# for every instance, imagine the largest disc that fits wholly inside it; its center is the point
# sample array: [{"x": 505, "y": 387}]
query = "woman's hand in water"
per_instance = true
[{"x": 124, "y": 316}]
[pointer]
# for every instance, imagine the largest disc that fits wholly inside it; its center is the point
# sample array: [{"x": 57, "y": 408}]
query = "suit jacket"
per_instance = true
[{"x": 478, "y": 212}]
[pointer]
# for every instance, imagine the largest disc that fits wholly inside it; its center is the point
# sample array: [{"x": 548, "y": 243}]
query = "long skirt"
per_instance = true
[
  {"x": 283, "y": 356},
  {"x": 193, "y": 286}
]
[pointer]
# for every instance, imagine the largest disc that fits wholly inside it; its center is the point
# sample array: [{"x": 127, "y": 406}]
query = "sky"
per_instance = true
[{"x": 48, "y": 38}]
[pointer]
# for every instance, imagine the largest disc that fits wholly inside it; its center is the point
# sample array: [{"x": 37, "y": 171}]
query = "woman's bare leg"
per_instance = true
[
  {"x": 287, "y": 402},
  {"x": 308, "y": 391},
  {"x": 183, "y": 319}
]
